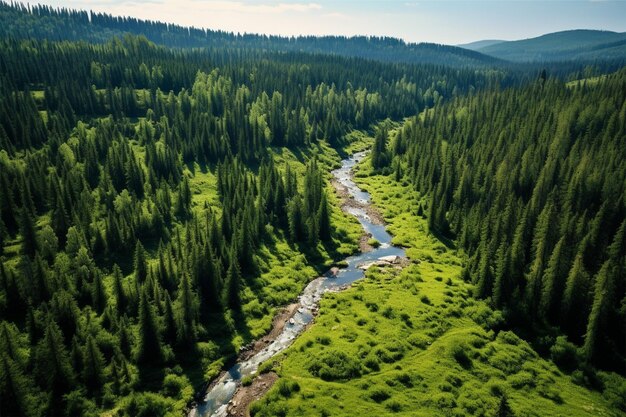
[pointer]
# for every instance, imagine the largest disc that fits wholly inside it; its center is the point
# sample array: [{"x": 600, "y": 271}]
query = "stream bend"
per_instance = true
[{"x": 217, "y": 398}]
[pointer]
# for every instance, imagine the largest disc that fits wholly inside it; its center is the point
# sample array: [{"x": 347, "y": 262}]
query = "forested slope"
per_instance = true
[
  {"x": 21, "y": 21},
  {"x": 511, "y": 207},
  {"x": 530, "y": 182},
  {"x": 157, "y": 206},
  {"x": 561, "y": 46}
]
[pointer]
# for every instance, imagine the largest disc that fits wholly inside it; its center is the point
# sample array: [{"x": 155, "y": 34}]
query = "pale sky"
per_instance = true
[{"x": 440, "y": 21}]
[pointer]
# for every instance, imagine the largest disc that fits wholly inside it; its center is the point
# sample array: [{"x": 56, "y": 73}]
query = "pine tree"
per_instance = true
[
  {"x": 554, "y": 280},
  {"x": 187, "y": 312},
  {"x": 604, "y": 292},
  {"x": 93, "y": 366},
  {"x": 149, "y": 347},
  {"x": 118, "y": 290},
  {"x": 295, "y": 219},
  {"x": 124, "y": 338},
  {"x": 140, "y": 263},
  {"x": 98, "y": 294},
  {"x": 52, "y": 365},
  {"x": 15, "y": 389},
  {"x": 183, "y": 200},
  {"x": 543, "y": 241},
  {"x": 27, "y": 231},
  {"x": 170, "y": 329},
  {"x": 232, "y": 284},
  {"x": 574, "y": 305},
  {"x": 323, "y": 219},
  {"x": 380, "y": 157},
  {"x": 502, "y": 286}
]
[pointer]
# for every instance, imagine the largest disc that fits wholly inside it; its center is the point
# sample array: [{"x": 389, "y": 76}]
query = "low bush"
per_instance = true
[
  {"x": 286, "y": 388},
  {"x": 459, "y": 353},
  {"x": 335, "y": 365},
  {"x": 379, "y": 395},
  {"x": 565, "y": 354},
  {"x": 373, "y": 242}
]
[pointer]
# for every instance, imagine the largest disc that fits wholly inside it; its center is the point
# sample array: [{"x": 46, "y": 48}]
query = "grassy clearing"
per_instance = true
[{"x": 414, "y": 342}]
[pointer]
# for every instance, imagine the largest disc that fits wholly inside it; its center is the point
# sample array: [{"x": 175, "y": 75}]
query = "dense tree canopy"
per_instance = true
[
  {"x": 530, "y": 183},
  {"x": 113, "y": 272}
]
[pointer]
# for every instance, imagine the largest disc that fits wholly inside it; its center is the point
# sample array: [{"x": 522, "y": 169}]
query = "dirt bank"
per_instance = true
[
  {"x": 240, "y": 404},
  {"x": 278, "y": 324}
]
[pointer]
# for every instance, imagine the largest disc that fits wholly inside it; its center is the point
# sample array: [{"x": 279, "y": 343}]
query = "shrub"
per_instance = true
[
  {"x": 459, "y": 353},
  {"x": 373, "y": 307},
  {"x": 286, "y": 388},
  {"x": 247, "y": 380},
  {"x": 379, "y": 395},
  {"x": 388, "y": 313},
  {"x": 372, "y": 363},
  {"x": 509, "y": 338},
  {"x": 335, "y": 365},
  {"x": 173, "y": 385},
  {"x": 147, "y": 404},
  {"x": 373, "y": 242},
  {"x": 419, "y": 340},
  {"x": 393, "y": 406},
  {"x": 615, "y": 391},
  {"x": 522, "y": 379},
  {"x": 565, "y": 354},
  {"x": 323, "y": 340},
  {"x": 444, "y": 400},
  {"x": 266, "y": 367},
  {"x": 405, "y": 379}
]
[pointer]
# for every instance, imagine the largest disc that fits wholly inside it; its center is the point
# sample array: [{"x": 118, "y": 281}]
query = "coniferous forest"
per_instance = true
[{"x": 162, "y": 195}]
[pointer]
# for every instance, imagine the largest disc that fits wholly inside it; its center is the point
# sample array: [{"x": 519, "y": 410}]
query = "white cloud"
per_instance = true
[{"x": 249, "y": 7}]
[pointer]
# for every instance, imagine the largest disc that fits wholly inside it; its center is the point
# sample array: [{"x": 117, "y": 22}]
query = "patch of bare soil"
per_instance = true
[
  {"x": 278, "y": 324},
  {"x": 239, "y": 406}
]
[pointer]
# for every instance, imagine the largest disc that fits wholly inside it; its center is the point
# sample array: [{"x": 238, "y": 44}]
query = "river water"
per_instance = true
[{"x": 216, "y": 400}]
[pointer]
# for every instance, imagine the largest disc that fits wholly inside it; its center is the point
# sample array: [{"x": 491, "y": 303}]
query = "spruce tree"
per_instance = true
[
  {"x": 118, "y": 290},
  {"x": 52, "y": 365},
  {"x": 187, "y": 313},
  {"x": 149, "y": 348},
  {"x": 232, "y": 284},
  {"x": 140, "y": 263},
  {"x": 93, "y": 366},
  {"x": 27, "y": 232},
  {"x": 170, "y": 330},
  {"x": 323, "y": 219}
]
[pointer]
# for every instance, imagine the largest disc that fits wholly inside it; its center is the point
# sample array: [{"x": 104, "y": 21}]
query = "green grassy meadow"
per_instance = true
[{"x": 414, "y": 342}]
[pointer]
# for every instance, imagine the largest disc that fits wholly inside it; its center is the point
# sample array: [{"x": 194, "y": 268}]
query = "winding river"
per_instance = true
[{"x": 216, "y": 400}]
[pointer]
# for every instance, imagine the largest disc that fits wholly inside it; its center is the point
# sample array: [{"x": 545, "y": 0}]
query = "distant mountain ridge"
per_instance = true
[
  {"x": 475, "y": 46},
  {"x": 579, "y": 44},
  {"x": 44, "y": 22}
]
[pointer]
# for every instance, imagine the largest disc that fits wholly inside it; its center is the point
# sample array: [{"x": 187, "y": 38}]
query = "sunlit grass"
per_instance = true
[{"x": 414, "y": 342}]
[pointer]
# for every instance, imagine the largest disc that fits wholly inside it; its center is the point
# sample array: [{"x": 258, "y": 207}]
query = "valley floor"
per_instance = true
[{"x": 415, "y": 342}]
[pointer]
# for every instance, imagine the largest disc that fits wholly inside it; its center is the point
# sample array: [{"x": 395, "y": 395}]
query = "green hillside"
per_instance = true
[
  {"x": 562, "y": 46},
  {"x": 44, "y": 22},
  {"x": 165, "y": 191}
]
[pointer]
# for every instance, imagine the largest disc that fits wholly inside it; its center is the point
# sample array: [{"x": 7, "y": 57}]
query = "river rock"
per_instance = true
[
  {"x": 392, "y": 259},
  {"x": 367, "y": 265}
]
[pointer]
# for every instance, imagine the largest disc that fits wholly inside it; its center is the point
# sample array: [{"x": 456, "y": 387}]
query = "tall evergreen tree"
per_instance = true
[
  {"x": 93, "y": 366},
  {"x": 149, "y": 347},
  {"x": 140, "y": 263}
]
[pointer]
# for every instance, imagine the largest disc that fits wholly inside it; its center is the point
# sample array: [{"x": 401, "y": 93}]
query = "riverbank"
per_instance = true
[
  {"x": 227, "y": 396},
  {"x": 261, "y": 384},
  {"x": 415, "y": 342}
]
